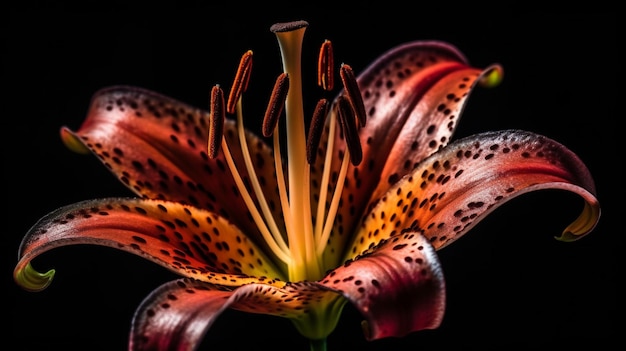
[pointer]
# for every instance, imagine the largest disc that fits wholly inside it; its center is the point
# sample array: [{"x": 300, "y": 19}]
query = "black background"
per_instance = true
[{"x": 509, "y": 283}]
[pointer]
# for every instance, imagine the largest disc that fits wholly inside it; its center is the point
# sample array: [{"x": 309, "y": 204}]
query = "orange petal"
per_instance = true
[
  {"x": 189, "y": 241},
  {"x": 413, "y": 95},
  {"x": 157, "y": 147},
  {"x": 455, "y": 188}
]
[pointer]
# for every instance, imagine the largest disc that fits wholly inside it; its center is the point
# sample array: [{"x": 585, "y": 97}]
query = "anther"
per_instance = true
[
  {"x": 315, "y": 129},
  {"x": 348, "y": 127},
  {"x": 325, "y": 67},
  {"x": 217, "y": 114},
  {"x": 353, "y": 93},
  {"x": 276, "y": 104},
  {"x": 240, "y": 84}
]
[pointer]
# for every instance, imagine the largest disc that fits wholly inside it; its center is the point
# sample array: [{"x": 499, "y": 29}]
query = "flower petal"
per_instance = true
[
  {"x": 413, "y": 95},
  {"x": 398, "y": 287},
  {"x": 454, "y": 189},
  {"x": 157, "y": 147},
  {"x": 178, "y": 314},
  {"x": 430, "y": 125},
  {"x": 189, "y": 241}
]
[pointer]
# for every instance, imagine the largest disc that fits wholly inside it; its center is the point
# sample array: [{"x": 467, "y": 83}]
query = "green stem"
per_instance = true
[{"x": 318, "y": 345}]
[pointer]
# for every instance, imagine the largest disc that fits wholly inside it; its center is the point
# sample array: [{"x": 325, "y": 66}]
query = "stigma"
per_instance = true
[{"x": 301, "y": 244}]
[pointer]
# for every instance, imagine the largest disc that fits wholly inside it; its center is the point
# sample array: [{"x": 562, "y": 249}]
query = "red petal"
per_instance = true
[
  {"x": 399, "y": 287},
  {"x": 458, "y": 186},
  {"x": 189, "y": 241},
  {"x": 177, "y": 315},
  {"x": 157, "y": 147},
  {"x": 430, "y": 124},
  {"x": 413, "y": 96}
]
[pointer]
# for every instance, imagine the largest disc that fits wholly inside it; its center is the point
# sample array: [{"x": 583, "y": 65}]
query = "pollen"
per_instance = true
[
  {"x": 240, "y": 84},
  {"x": 353, "y": 93},
  {"x": 348, "y": 127},
  {"x": 325, "y": 67},
  {"x": 316, "y": 129},
  {"x": 276, "y": 104},
  {"x": 216, "y": 121}
]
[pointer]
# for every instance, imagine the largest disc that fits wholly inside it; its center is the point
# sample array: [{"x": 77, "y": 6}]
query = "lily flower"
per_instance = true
[{"x": 349, "y": 209}]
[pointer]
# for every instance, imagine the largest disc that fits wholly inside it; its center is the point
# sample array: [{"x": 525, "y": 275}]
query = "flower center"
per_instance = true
[{"x": 301, "y": 246}]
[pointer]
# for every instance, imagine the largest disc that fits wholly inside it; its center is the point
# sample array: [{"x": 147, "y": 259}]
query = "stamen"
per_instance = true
[
  {"x": 348, "y": 127},
  {"x": 280, "y": 180},
  {"x": 276, "y": 245},
  {"x": 353, "y": 93},
  {"x": 325, "y": 67},
  {"x": 323, "y": 226},
  {"x": 216, "y": 121},
  {"x": 240, "y": 84},
  {"x": 254, "y": 180},
  {"x": 276, "y": 104},
  {"x": 324, "y": 231},
  {"x": 315, "y": 130}
]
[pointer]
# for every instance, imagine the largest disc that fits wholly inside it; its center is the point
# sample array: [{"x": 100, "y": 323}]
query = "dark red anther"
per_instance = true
[
  {"x": 217, "y": 114},
  {"x": 276, "y": 104},
  {"x": 326, "y": 67},
  {"x": 353, "y": 93},
  {"x": 315, "y": 129},
  {"x": 240, "y": 84},
  {"x": 348, "y": 127}
]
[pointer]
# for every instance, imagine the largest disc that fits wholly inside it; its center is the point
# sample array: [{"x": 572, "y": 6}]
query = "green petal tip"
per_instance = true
[
  {"x": 72, "y": 142},
  {"x": 583, "y": 225},
  {"x": 492, "y": 76},
  {"x": 29, "y": 279},
  {"x": 568, "y": 236}
]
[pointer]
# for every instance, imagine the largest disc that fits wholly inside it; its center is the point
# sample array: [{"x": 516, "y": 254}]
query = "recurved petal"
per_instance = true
[
  {"x": 431, "y": 124},
  {"x": 177, "y": 315},
  {"x": 413, "y": 96},
  {"x": 157, "y": 147},
  {"x": 189, "y": 241},
  {"x": 455, "y": 188},
  {"x": 398, "y": 286}
]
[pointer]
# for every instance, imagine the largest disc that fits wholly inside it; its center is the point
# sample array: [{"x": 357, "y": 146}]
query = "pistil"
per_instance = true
[{"x": 306, "y": 265}]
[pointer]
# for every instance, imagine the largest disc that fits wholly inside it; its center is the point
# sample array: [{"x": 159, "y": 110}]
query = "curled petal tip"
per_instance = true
[
  {"x": 365, "y": 326},
  {"x": 72, "y": 141},
  {"x": 29, "y": 279},
  {"x": 568, "y": 236},
  {"x": 584, "y": 224},
  {"x": 492, "y": 76}
]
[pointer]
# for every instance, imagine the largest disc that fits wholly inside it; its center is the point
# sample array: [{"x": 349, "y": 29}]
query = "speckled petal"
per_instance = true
[
  {"x": 430, "y": 124},
  {"x": 157, "y": 147},
  {"x": 177, "y": 315},
  {"x": 398, "y": 286},
  {"x": 454, "y": 189},
  {"x": 189, "y": 241},
  {"x": 413, "y": 96}
]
